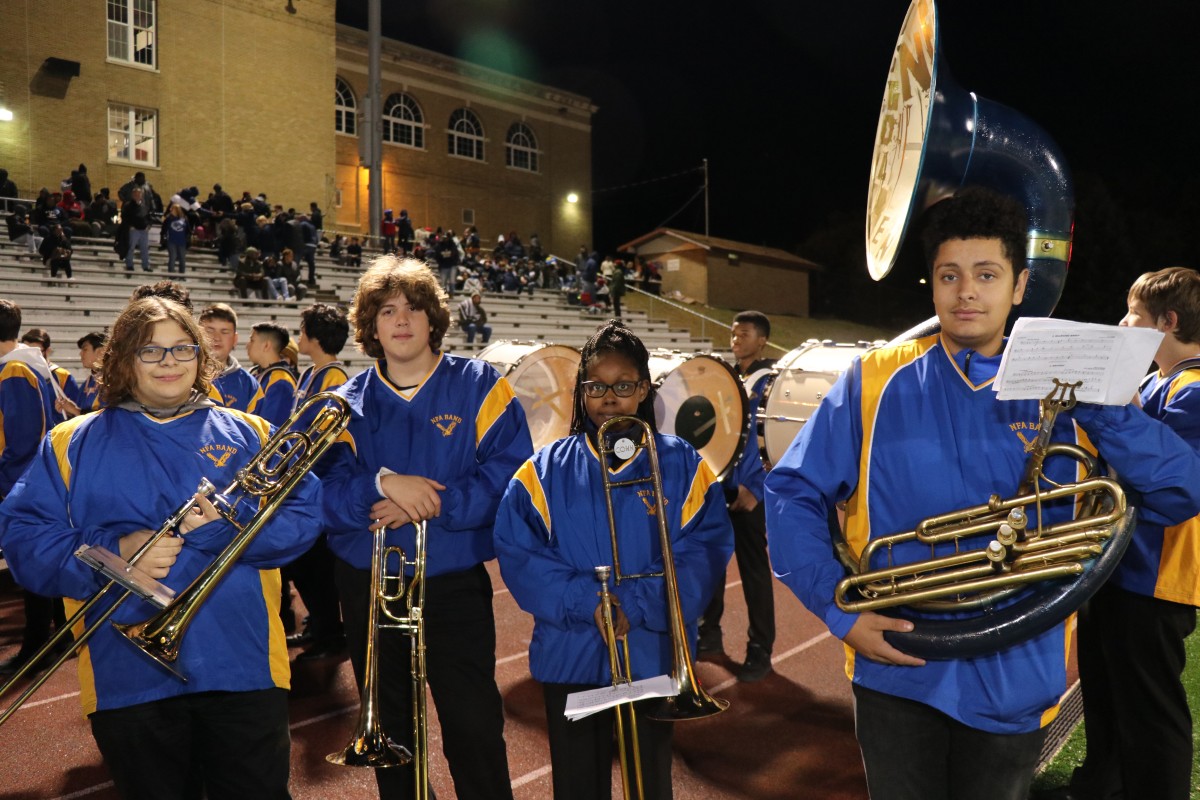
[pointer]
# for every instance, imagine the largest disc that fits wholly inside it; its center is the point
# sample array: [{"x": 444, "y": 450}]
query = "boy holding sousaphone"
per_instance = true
[{"x": 914, "y": 430}]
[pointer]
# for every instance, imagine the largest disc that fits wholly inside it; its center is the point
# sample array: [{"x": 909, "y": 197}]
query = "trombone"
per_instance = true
[
  {"x": 620, "y": 676},
  {"x": 369, "y": 745},
  {"x": 271, "y": 475},
  {"x": 690, "y": 701}
]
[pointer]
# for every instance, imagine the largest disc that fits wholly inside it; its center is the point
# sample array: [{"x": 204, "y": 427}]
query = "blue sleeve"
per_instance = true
[
  {"x": 23, "y": 418},
  {"x": 73, "y": 392},
  {"x": 470, "y": 503},
  {"x": 542, "y": 582},
  {"x": 819, "y": 469},
  {"x": 1159, "y": 469},
  {"x": 701, "y": 551},
  {"x": 38, "y": 538},
  {"x": 348, "y": 489},
  {"x": 276, "y": 404}
]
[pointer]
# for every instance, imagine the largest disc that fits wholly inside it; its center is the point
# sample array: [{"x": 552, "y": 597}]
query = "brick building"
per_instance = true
[{"x": 222, "y": 91}]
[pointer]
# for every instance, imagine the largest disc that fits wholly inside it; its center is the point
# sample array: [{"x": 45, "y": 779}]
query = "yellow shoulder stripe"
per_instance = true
[
  {"x": 528, "y": 478},
  {"x": 703, "y": 479},
  {"x": 60, "y": 438},
  {"x": 494, "y": 405},
  {"x": 1181, "y": 380}
]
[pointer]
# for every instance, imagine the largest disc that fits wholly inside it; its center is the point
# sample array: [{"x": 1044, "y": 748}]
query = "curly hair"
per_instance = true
[
  {"x": 613, "y": 338},
  {"x": 326, "y": 325},
  {"x": 977, "y": 213},
  {"x": 387, "y": 277},
  {"x": 132, "y": 330},
  {"x": 1172, "y": 289}
]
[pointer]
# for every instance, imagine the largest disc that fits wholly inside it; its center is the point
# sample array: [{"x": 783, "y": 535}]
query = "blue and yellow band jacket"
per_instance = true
[
  {"x": 1163, "y": 561},
  {"x": 237, "y": 388},
  {"x": 24, "y": 397},
  {"x": 461, "y": 425},
  {"x": 101, "y": 476},
  {"x": 910, "y": 432},
  {"x": 552, "y": 532},
  {"x": 278, "y": 394}
]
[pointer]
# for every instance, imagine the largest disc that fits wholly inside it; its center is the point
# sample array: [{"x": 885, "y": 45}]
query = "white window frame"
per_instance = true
[
  {"x": 131, "y": 23},
  {"x": 407, "y": 116},
  {"x": 521, "y": 142},
  {"x": 136, "y": 126},
  {"x": 345, "y": 114},
  {"x": 465, "y": 132}
]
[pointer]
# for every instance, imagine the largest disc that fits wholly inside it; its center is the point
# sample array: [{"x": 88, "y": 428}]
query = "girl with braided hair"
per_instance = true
[{"x": 552, "y": 532}]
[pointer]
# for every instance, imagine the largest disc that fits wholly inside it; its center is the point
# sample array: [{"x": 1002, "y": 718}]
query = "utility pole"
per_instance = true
[
  {"x": 374, "y": 119},
  {"x": 706, "y": 197}
]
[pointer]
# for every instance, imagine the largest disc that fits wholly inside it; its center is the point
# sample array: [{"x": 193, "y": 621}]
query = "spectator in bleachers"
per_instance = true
[
  {"x": 177, "y": 232},
  {"x": 316, "y": 217},
  {"x": 81, "y": 185},
  {"x": 616, "y": 288},
  {"x": 388, "y": 230},
  {"x": 231, "y": 242},
  {"x": 265, "y": 240},
  {"x": 354, "y": 253},
  {"x": 21, "y": 231},
  {"x": 290, "y": 270},
  {"x": 91, "y": 350},
  {"x": 249, "y": 274},
  {"x": 237, "y": 387},
  {"x": 135, "y": 224},
  {"x": 102, "y": 213},
  {"x": 308, "y": 238},
  {"x": 448, "y": 256},
  {"x": 220, "y": 203},
  {"x": 277, "y": 285},
  {"x": 151, "y": 200},
  {"x": 7, "y": 187},
  {"x": 405, "y": 235},
  {"x": 535, "y": 249},
  {"x": 471, "y": 242},
  {"x": 72, "y": 215},
  {"x": 472, "y": 318},
  {"x": 55, "y": 250},
  {"x": 473, "y": 284},
  {"x": 337, "y": 249},
  {"x": 46, "y": 213}
]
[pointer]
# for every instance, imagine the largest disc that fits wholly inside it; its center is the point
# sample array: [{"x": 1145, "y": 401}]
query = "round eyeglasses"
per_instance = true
[
  {"x": 596, "y": 389},
  {"x": 153, "y": 354}
]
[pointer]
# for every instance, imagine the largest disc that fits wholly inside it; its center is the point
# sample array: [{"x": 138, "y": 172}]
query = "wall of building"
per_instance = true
[
  {"x": 743, "y": 286},
  {"x": 236, "y": 86}
]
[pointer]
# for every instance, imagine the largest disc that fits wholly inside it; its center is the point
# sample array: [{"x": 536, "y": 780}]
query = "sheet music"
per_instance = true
[
  {"x": 582, "y": 704},
  {"x": 1108, "y": 359}
]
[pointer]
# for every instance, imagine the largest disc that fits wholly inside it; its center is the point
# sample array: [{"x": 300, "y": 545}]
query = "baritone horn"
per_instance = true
[
  {"x": 690, "y": 701},
  {"x": 269, "y": 478},
  {"x": 369, "y": 745}
]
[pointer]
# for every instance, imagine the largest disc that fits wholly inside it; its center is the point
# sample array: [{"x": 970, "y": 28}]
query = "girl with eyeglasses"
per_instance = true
[
  {"x": 552, "y": 532},
  {"x": 110, "y": 479}
]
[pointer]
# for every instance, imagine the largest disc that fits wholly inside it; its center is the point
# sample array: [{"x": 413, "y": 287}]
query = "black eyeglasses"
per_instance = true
[
  {"x": 153, "y": 354},
  {"x": 596, "y": 389}
]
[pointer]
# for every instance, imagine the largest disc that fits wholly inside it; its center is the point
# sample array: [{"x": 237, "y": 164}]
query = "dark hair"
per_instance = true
[
  {"x": 977, "y": 213},
  {"x": 96, "y": 339},
  {"x": 133, "y": 328},
  {"x": 613, "y": 338},
  {"x": 37, "y": 336},
  {"x": 10, "y": 320},
  {"x": 1172, "y": 289},
  {"x": 274, "y": 332},
  {"x": 169, "y": 290},
  {"x": 326, "y": 325},
  {"x": 219, "y": 311},
  {"x": 757, "y": 319},
  {"x": 387, "y": 277}
]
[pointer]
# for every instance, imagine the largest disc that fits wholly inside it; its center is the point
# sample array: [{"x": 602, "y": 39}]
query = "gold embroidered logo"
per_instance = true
[
  {"x": 1027, "y": 441},
  {"x": 647, "y": 496},
  {"x": 218, "y": 453},
  {"x": 446, "y": 423}
]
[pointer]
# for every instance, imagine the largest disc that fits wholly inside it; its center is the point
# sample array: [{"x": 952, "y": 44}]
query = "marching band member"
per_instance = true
[
  {"x": 915, "y": 430},
  {"x": 432, "y": 437},
  {"x": 235, "y": 386},
  {"x": 110, "y": 479},
  {"x": 551, "y": 533}
]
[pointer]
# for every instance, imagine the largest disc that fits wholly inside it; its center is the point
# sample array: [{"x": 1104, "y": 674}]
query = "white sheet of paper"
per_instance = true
[
  {"x": 1110, "y": 360},
  {"x": 582, "y": 704}
]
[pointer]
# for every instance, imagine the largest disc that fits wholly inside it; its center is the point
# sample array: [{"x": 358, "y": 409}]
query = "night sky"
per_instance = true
[{"x": 782, "y": 97}]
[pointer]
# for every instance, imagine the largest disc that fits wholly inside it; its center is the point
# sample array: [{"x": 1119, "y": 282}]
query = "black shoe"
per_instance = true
[
  {"x": 710, "y": 641},
  {"x": 327, "y": 648},
  {"x": 758, "y": 664}
]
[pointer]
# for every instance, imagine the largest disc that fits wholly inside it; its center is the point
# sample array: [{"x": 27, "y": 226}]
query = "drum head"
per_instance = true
[
  {"x": 700, "y": 399},
  {"x": 543, "y": 378},
  {"x": 802, "y": 379}
]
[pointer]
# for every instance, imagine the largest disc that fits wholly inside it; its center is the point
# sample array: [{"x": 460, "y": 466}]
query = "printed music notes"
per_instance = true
[{"x": 1110, "y": 360}]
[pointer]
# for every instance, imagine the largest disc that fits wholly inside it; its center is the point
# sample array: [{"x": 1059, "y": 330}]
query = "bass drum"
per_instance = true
[
  {"x": 700, "y": 399},
  {"x": 796, "y": 386},
  {"x": 543, "y": 378}
]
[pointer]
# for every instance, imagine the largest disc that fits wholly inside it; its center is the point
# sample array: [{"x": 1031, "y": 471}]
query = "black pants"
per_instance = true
[
  {"x": 219, "y": 745},
  {"x": 581, "y": 752},
  {"x": 41, "y": 613},
  {"x": 750, "y": 549},
  {"x": 1135, "y": 709},
  {"x": 912, "y": 751},
  {"x": 460, "y": 637},
  {"x": 312, "y": 575}
]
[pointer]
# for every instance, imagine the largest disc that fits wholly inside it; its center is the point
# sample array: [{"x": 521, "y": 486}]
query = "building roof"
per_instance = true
[{"x": 718, "y": 246}]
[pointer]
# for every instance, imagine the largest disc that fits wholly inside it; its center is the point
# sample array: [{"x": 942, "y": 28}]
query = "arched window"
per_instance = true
[
  {"x": 465, "y": 136},
  {"x": 520, "y": 148},
  {"x": 344, "y": 107},
  {"x": 402, "y": 121}
]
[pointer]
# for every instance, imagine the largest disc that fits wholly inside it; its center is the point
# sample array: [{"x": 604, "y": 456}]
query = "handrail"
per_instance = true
[{"x": 704, "y": 320}]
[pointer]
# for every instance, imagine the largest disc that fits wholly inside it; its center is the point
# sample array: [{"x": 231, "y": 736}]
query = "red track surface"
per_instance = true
[{"x": 788, "y": 736}]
